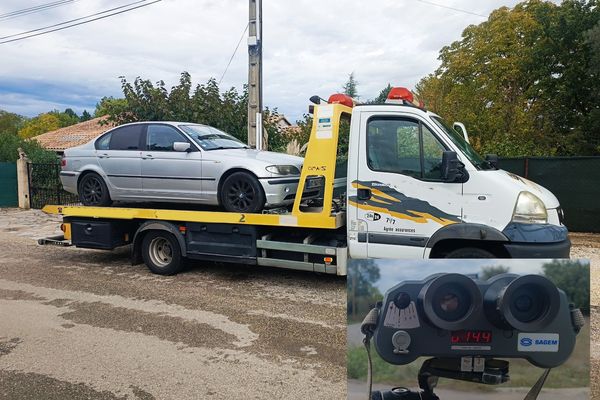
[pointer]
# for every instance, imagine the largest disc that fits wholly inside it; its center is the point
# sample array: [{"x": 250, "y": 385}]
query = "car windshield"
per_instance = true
[
  {"x": 475, "y": 159},
  {"x": 209, "y": 138}
]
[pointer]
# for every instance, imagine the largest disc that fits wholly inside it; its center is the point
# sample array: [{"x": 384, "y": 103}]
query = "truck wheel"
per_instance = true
[
  {"x": 93, "y": 191},
  {"x": 161, "y": 253},
  {"x": 470, "y": 252},
  {"x": 241, "y": 192}
]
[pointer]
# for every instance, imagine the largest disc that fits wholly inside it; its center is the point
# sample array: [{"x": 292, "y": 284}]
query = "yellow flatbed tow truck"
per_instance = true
[
  {"x": 415, "y": 188},
  {"x": 305, "y": 238}
]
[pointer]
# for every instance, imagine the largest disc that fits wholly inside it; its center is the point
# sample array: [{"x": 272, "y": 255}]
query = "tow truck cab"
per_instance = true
[{"x": 416, "y": 188}]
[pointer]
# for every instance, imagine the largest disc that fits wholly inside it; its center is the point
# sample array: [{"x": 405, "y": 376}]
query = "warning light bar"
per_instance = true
[
  {"x": 340, "y": 98},
  {"x": 401, "y": 95}
]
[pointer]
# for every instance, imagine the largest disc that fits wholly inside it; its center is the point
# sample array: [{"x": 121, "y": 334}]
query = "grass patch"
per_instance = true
[{"x": 573, "y": 373}]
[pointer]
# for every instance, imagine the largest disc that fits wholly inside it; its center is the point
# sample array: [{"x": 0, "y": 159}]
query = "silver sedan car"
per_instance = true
[{"x": 181, "y": 162}]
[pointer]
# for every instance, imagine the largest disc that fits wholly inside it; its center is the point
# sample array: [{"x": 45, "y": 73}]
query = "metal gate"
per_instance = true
[
  {"x": 8, "y": 183},
  {"x": 45, "y": 187}
]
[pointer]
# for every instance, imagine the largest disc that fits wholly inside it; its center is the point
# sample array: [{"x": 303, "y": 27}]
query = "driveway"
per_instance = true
[{"x": 85, "y": 324}]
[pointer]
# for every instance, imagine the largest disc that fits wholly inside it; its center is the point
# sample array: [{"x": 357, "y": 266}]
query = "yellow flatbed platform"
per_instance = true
[{"x": 300, "y": 220}]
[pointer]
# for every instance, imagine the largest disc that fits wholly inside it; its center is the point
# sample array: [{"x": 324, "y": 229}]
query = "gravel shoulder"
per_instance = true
[{"x": 85, "y": 324}]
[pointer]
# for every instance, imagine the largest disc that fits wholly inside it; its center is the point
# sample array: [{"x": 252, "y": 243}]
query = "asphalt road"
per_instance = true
[{"x": 84, "y": 324}]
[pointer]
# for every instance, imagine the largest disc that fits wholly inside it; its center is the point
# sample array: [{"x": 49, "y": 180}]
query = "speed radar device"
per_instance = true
[{"x": 466, "y": 324}]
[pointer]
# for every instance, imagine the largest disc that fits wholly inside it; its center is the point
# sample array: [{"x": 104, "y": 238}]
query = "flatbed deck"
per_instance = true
[{"x": 299, "y": 220}]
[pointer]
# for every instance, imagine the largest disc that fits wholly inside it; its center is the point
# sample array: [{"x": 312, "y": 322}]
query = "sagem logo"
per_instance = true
[
  {"x": 526, "y": 342},
  {"x": 536, "y": 342}
]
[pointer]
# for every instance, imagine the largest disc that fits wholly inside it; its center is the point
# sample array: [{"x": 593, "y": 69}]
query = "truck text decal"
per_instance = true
[{"x": 389, "y": 201}]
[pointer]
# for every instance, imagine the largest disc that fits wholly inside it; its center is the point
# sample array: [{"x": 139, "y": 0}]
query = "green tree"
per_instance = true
[
  {"x": 350, "y": 88},
  {"x": 204, "y": 103},
  {"x": 110, "y": 106},
  {"x": 361, "y": 290},
  {"x": 42, "y": 123},
  {"x": 10, "y": 122},
  {"x": 521, "y": 80},
  {"x": 382, "y": 96},
  {"x": 573, "y": 277},
  {"x": 85, "y": 116},
  {"x": 492, "y": 270}
]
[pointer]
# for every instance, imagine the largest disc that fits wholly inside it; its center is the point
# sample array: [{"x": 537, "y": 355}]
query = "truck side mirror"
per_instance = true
[
  {"x": 492, "y": 159},
  {"x": 450, "y": 166}
]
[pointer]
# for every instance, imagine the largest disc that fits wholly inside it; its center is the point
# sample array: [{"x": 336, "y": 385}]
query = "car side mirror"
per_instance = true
[
  {"x": 451, "y": 166},
  {"x": 182, "y": 146},
  {"x": 492, "y": 159}
]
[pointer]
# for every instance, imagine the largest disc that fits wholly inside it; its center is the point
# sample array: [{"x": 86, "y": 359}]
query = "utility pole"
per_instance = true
[{"x": 255, "y": 126}]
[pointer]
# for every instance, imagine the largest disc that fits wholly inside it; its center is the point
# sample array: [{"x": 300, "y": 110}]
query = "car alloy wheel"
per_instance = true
[
  {"x": 92, "y": 190},
  {"x": 241, "y": 195}
]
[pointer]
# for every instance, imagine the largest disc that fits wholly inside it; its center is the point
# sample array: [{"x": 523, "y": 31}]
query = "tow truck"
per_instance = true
[{"x": 415, "y": 188}]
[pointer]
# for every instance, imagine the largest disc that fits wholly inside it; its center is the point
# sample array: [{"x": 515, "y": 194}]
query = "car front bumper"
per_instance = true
[
  {"x": 537, "y": 241},
  {"x": 282, "y": 191}
]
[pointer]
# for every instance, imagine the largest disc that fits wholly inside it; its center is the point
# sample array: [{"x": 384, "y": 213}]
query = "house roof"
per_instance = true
[{"x": 73, "y": 135}]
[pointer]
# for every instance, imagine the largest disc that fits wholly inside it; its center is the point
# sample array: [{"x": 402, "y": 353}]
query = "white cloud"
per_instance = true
[{"x": 309, "y": 48}]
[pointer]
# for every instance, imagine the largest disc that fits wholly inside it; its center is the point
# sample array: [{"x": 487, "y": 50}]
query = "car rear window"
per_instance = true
[
  {"x": 103, "y": 142},
  {"x": 126, "y": 138}
]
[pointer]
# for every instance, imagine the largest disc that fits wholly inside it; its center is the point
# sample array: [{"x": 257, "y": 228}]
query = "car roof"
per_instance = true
[{"x": 174, "y": 123}]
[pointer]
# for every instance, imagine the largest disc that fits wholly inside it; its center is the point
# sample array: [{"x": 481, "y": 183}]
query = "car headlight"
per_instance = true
[
  {"x": 530, "y": 209},
  {"x": 283, "y": 169}
]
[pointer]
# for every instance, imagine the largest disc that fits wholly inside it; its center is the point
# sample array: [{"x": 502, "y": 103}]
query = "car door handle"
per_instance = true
[
  {"x": 363, "y": 194},
  {"x": 103, "y": 155},
  {"x": 147, "y": 157}
]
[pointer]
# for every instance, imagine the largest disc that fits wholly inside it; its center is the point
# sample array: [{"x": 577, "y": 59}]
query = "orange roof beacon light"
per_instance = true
[
  {"x": 401, "y": 95},
  {"x": 340, "y": 98}
]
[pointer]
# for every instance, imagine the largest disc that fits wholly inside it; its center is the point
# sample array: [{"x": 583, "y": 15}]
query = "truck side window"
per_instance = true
[
  {"x": 432, "y": 155},
  {"x": 403, "y": 146},
  {"x": 393, "y": 146}
]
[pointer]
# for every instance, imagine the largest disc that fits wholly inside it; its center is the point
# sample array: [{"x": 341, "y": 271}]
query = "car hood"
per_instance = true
[
  {"x": 268, "y": 157},
  {"x": 526, "y": 185}
]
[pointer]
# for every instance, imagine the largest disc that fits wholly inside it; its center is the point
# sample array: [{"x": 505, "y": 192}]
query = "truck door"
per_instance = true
[{"x": 399, "y": 198}]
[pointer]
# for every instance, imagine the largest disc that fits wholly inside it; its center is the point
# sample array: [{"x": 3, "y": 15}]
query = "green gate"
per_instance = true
[
  {"x": 575, "y": 181},
  {"x": 8, "y": 185}
]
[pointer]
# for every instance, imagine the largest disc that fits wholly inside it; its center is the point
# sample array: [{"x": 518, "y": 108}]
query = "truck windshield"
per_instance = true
[
  {"x": 464, "y": 146},
  {"x": 210, "y": 138}
]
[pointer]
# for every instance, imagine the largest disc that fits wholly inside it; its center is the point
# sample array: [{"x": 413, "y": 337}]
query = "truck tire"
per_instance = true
[
  {"x": 241, "y": 192},
  {"x": 470, "y": 252},
  {"x": 92, "y": 191},
  {"x": 161, "y": 253}
]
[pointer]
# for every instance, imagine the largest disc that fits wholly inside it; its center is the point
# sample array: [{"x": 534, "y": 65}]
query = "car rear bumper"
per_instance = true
[
  {"x": 537, "y": 241},
  {"x": 69, "y": 180}
]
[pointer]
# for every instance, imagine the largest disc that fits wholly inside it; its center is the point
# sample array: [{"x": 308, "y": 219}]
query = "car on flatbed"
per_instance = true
[{"x": 181, "y": 162}]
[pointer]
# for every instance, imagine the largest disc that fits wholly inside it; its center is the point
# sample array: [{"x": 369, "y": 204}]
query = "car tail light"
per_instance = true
[{"x": 63, "y": 162}]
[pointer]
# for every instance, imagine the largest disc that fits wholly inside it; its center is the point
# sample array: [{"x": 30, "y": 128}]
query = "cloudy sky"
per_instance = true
[{"x": 309, "y": 47}]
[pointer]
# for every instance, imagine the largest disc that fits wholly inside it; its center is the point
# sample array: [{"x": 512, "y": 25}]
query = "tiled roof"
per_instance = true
[{"x": 73, "y": 135}]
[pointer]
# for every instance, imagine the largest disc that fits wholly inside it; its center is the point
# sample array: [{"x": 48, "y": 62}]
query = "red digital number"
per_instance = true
[
  {"x": 476, "y": 336},
  {"x": 487, "y": 337}
]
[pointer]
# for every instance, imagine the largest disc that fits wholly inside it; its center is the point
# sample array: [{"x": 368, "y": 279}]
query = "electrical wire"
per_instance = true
[
  {"x": 234, "y": 51},
  {"x": 452, "y": 8},
  {"x": 73, "y": 20},
  {"x": 36, "y": 9},
  {"x": 47, "y": 29}
]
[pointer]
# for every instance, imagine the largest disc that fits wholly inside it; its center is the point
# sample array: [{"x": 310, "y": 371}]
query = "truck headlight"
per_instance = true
[
  {"x": 283, "y": 169},
  {"x": 530, "y": 209}
]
